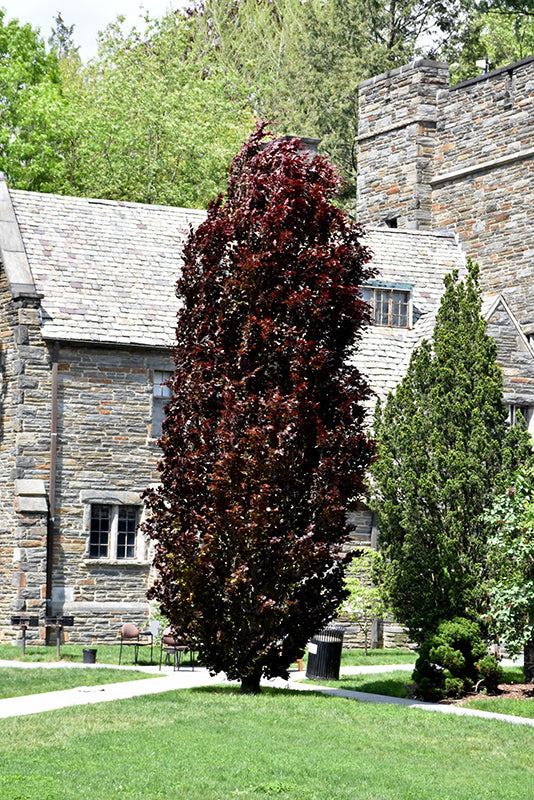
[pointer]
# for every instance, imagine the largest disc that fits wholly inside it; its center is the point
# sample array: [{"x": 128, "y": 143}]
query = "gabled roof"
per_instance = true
[
  {"x": 514, "y": 351},
  {"x": 420, "y": 259},
  {"x": 106, "y": 270}
]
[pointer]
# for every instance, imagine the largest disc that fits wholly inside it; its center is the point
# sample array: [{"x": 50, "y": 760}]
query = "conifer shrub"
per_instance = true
[
  {"x": 447, "y": 662},
  {"x": 444, "y": 452}
]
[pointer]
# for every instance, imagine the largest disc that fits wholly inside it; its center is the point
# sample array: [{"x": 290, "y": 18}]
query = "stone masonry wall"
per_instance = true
[
  {"x": 24, "y": 460},
  {"x": 484, "y": 179},
  {"x": 396, "y": 143},
  {"x": 459, "y": 157},
  {"x": 8, "y": 592},
  {"x": 105, "y": 454}
]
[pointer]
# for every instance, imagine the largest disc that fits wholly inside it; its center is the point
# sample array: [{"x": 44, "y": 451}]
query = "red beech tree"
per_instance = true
[{"x": 263, "y": 446}]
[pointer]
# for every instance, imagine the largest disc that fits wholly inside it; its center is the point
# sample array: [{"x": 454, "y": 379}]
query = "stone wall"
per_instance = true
[
  {"x": 459, "y": 157},
  {"x": 484, "y": 179},
  {"x": 105, "y": 455},
  {"x": 396, "y": 144},
  {"x": 24, "y": 459}
]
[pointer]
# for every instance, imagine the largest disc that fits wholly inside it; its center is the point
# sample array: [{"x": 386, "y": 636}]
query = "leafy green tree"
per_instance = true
[
  {"x": 443, "y": 451},
  {"x": 32, "y": 107},
  {"x": 301, "y": 63},
  {"x": 61, "y": 39},
  {"x": 497, "y": 37},
  {"x": 511, "y": 613},
  {"x": 364, "y": 603},
  {"x": 263, "y": 443},
  {"x": 148, "y": 123}
]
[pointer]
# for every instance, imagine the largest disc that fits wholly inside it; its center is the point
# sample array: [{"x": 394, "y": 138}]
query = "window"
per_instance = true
[
  {"x": 389, "y": 307},
  {"x": 160, "y": 397},
  {"x": 113, "y": 531}
]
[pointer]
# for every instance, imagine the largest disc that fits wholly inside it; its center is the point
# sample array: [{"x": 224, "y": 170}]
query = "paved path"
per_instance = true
[{"x": 186, "y": 678}]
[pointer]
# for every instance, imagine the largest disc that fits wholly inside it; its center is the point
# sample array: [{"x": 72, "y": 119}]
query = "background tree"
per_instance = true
[
  {"x": 61, "y": 39},
  {"x": 364, "y": 603},
  {"x": 301, "y": 63},
  {"x": 32, "y": 106},
  {"x": 148, "y": 124},
  {"x": 497, "y": 36},
  {"x": 263, "y": 446},
  {"x": 511, "y": 613},
  {"x": 443, "y": 450}
]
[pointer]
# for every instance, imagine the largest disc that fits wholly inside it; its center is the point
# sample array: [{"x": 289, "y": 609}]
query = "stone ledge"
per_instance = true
[
  {"x": 110, "y": 497},
  {"x": 84, "y": 608},
  {"x": 521, "y": 155}
]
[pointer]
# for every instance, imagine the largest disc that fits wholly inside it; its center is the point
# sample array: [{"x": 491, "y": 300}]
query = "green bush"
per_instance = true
[
  {"x": 490, "y": 672},
  {"x": 453, "y": 660}
]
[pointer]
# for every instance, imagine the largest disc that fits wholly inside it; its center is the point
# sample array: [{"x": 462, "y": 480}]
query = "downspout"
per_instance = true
[{"x": 52, "y": 482}]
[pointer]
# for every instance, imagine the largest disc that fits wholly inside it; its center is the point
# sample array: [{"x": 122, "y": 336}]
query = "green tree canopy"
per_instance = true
[
  {"x": 148, "y": 122},
  {"x": 443, "y": 450},
  {"x": 32, "y": 106},
  {"x": 511, "y": 542}
]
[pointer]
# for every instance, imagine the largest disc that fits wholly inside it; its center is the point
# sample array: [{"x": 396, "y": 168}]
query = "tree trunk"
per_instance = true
[
  {"x": 250, "y": 684},
  {"x": 528, "y": 661}
]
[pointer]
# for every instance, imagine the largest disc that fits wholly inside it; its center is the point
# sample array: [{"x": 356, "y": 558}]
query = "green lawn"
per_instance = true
[
  {"x": 214, "y": 744},
  {"x": 106, "y": 654},
  {"x": 393, "y": 684},
  {"x": 504, "y": 705},
  {"x": 15, "y": 682},
  {"x": 357, "y": 658},
  {"x": 109, "y": 654}
]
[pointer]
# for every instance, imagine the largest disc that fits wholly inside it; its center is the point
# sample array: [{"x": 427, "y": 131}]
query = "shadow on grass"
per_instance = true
[
  {"x": 391, "y": 688},
  {"x": 233, "y": 690}
]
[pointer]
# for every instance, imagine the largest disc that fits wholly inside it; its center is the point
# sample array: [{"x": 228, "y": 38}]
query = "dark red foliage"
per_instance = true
[{"x": 263, "y": 443}]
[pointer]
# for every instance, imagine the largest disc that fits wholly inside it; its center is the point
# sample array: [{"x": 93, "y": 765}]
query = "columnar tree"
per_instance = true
[
  {"x": 263, "y": 445},
  {"x": 443, "y": 448}
]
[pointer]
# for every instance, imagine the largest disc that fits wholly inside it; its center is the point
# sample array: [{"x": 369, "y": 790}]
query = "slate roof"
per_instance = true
[
  {"x": 107, "y": 270},
  {"x": 420, "y": 259}
]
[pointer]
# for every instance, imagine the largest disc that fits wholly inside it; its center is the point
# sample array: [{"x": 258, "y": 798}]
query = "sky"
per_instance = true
[{"x": 88, "y": 16}]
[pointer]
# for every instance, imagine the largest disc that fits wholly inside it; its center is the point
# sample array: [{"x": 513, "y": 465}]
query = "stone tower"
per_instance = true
[{"x": 461, "y": 157}]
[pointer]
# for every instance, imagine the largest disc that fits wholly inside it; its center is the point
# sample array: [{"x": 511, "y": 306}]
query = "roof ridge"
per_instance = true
[{"x": 104, "y": 201}]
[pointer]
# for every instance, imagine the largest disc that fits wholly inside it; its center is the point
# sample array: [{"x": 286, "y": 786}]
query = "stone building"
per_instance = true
[
  {"x": 86, "y": 327},
  {"x": 405, "y": 297},
  {"x": 87, "y": 317},
  {"x": 457, "y": 160},
  {"x": 461, "y": 157}
]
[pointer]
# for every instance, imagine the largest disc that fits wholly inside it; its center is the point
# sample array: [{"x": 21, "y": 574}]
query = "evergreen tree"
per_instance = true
[
  {"x": 443, "y": 448},
  {"x": 263, "y": 444}
]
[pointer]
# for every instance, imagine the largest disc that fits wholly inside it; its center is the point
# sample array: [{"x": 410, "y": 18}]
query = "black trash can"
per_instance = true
[
  {"x": 89, "y": 656},
  {"x": 324, "y": 654}
]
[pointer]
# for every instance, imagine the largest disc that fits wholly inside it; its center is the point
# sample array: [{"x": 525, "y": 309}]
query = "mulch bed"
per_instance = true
[{"x": 515, "y": 691}]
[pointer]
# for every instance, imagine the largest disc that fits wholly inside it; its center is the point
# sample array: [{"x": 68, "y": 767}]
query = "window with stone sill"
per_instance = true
[
  {"x": 390, "y": 306},
  {"x": 111, "y": 525},
  {"x": 161, "y": 394},
  {"x": 113, "y": 532}
]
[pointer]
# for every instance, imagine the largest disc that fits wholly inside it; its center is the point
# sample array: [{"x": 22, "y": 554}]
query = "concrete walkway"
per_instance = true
[{"x": 185, "y": 678}]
